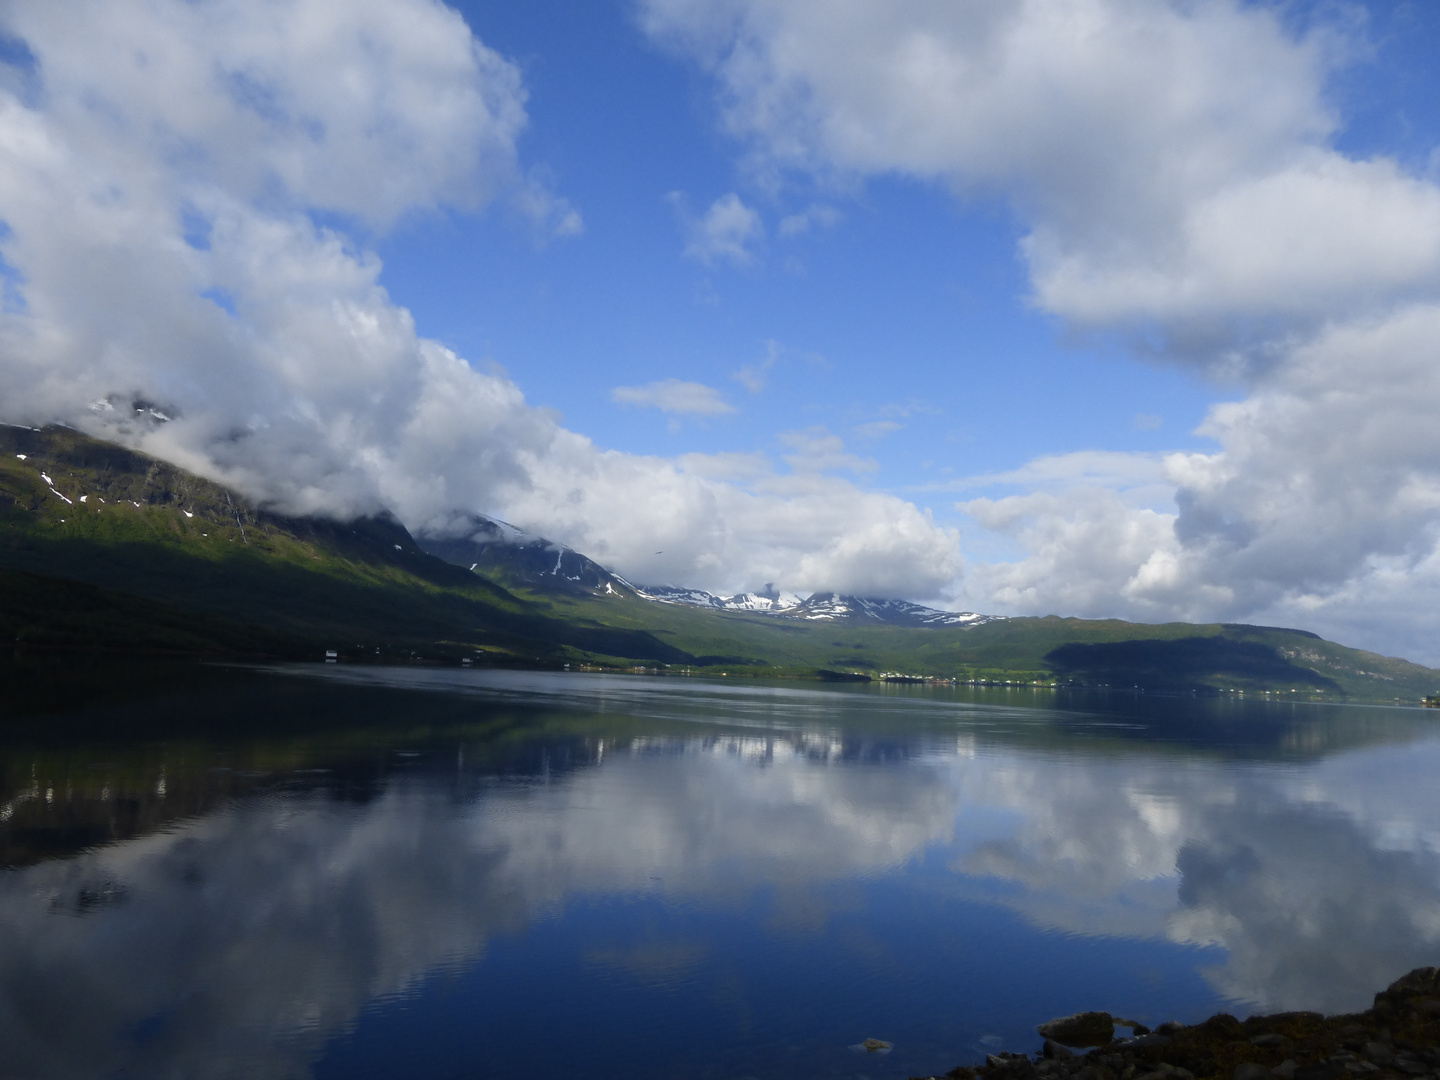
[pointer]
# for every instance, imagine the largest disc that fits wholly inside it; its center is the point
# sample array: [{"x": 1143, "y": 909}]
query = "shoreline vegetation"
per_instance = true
[{"x": 1398, "y": 1038}]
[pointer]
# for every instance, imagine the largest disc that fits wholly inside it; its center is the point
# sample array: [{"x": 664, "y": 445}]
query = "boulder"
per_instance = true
[
  {"x": 1422, "y": 982},
  {"x": 1082, "y": 1029}
]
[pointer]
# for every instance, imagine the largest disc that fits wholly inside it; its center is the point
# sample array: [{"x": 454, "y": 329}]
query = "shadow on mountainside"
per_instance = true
[{"x": 1184, "y": 663}]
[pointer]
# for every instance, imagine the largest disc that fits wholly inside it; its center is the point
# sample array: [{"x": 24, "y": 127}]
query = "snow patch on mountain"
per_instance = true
[
  {"x": 821, "y": 607},
  {"x": 487, "y": 545}
]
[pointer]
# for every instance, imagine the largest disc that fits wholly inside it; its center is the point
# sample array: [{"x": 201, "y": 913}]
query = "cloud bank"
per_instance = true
[
  {"x": 185, "y": 190},
  {"x": 1176, "y": 168}
]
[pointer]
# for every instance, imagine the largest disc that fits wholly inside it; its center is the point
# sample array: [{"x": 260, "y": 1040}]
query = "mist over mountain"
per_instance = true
[{"x": 500, "y": 549}]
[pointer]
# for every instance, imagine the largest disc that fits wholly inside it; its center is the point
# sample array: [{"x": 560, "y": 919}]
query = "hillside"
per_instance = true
[
  {"x": 1090, "y": 652},
  {"x": 102, "y": 548}
]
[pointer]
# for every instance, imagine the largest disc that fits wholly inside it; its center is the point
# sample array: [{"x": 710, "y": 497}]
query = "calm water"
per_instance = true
[{"x": 347, "y": 872}]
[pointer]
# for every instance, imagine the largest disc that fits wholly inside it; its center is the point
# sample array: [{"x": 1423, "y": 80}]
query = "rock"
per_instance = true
[
  {"x": 871, "y": 1045},
  {"x": 1379, "y": 1053},
  {"x": 1425, "y": 980},
  {"x": 1399, "y": 1039},
  {"x": 1082, "y": 1029}
]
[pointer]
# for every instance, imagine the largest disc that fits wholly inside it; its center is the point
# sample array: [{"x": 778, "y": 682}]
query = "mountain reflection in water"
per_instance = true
[{"x": 682, "y": 877}]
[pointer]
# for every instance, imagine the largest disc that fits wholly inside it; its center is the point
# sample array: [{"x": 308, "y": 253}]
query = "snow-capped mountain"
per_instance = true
[
  {"x": 769, "y": 600},
  {"x": 497, "y": 548},
  {"x": 821, "y": 607},
  {"x": 826, "y": 606}
]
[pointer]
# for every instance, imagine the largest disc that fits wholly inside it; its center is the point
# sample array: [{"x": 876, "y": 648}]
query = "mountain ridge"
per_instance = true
[
  {"x": 105, "y": 548},
  {"x": 500, "y": 548}
]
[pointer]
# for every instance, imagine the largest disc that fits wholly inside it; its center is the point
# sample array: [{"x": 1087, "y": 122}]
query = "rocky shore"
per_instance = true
[{"x": 1399, "y": 1037}]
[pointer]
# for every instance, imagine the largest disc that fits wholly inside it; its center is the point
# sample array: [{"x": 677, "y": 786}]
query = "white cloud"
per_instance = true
[
  {"x": 877, "y": 429},
  {"x": 816, "y": 215},
  {"x": 732, "y": 523},
  {"x": 1176, "y": 166},
  {"x": 1321, "y": 508},
  {"x": 1172, "y": 159},
  {"x": 160, "y": 190},
  {"x": 728, "y": 231},
  {"x": 1100, "y": 468},
  {"x": 815, "y": 449},
  {"x": 755, "y": 376},
  {"x": 674, "y": 396}
]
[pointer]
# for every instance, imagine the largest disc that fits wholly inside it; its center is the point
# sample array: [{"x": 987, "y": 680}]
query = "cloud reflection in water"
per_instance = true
[{"x": 239, "y": 943}]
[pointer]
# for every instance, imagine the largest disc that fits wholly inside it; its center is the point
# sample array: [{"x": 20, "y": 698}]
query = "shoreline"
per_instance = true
[{"x": 1398, "y": 1037}]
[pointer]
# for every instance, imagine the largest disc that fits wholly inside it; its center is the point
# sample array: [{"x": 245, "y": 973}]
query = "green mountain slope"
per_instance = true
[
  {"x": 1092, "y": 652},
  {"x": 102, "y": 548},
  {"x": 162, "y": 548}
]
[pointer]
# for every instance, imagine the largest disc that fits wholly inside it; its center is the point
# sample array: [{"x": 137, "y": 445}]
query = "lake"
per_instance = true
[{"x": 335, "y": 871}]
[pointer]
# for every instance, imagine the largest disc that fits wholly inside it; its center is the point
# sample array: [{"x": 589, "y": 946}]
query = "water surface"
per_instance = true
[{"x": 368, "y": 872}]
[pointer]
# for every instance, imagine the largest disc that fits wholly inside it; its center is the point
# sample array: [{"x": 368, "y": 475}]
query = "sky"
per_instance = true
[{"x": 1102, "y": 308}]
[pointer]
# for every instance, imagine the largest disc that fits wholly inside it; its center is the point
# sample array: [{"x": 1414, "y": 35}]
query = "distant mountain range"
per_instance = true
[
  {"x": 106, "y": 550},
  {"x": 497, "y": 548}
]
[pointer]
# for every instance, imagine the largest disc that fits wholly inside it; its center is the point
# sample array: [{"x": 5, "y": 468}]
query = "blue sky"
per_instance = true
[
  {"x": 1092, "y": 307},
  {"x": 911, "y": 308}
]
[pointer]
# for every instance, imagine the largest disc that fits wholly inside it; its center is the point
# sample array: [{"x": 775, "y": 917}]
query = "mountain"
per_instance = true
[
  {"x": 512, "y": 555},
  {"x": 819, "y": 607},
  {"x": 104, "y": 549},
  {"x": 769, "y": 601},
  {"x": 500, "y": 550}
]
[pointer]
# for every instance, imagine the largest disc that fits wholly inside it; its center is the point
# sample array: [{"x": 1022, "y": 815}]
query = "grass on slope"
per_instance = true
[
  {"x": 1094, "y": 652},
  {"x": 146, "y": 534}
]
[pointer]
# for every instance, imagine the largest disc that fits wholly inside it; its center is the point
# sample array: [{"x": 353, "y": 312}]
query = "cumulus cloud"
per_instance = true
[
  {"x": 728, "y": 231},
  {"x": 674, "y": 396},
  {"x": 1176, "y": 166},
  {"x": 1321, "y": 508},
  {"x": 1172, "y": 159},
  {"x": 184, "y": 188}
]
